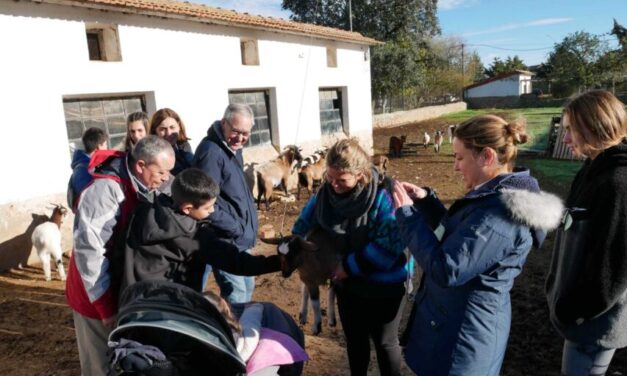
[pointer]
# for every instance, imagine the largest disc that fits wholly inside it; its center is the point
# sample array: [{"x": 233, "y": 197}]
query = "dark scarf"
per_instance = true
[{"x": 346, "y": 215}]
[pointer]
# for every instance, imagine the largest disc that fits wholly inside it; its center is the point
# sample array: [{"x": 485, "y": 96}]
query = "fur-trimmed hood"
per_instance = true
[
  {"x": 528, "y": 205},
  {"x": 540, "y": 210}
]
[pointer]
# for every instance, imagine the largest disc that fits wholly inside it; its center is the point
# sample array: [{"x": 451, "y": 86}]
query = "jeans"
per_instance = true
[
  {"x": 585, "y": 360},
  {"x": 233, "y": 288}
]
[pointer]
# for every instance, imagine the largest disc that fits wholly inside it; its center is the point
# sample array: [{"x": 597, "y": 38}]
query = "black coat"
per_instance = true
[
  {"x": 587, "y": 282},
  {"x": 164, "y": 244}
]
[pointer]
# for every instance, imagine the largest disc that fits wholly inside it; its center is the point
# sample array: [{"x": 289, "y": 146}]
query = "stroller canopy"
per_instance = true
[{"x": 187, "y": 328}]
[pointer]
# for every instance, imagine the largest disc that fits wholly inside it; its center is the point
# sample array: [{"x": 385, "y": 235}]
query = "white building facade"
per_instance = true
[
  {"x": 68, "y": 65},
  {"x": 513, "y": 83}
]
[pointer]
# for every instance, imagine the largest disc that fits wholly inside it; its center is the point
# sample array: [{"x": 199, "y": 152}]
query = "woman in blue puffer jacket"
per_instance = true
[{"x": 471, "y": 253}]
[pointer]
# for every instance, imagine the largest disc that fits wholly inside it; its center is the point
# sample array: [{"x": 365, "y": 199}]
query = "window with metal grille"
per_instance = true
[
  {"x": 259, "y": 102},
  {"x": 108, "y": 114},
  {"x": 331, "y": 111}
]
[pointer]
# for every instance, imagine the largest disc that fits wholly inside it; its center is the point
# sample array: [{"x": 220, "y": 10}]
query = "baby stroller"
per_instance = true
[{"x": 167, "y": 329}]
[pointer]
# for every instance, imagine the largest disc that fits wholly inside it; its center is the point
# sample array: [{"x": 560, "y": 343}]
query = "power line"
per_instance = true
[{"x": 511, "y": 49}]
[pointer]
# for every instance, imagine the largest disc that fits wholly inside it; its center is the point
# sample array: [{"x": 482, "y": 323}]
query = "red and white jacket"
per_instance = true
[{"x": 103, "y": 211}]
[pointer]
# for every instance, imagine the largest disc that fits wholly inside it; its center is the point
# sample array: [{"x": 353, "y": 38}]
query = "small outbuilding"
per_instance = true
[{"x": 500, "y": 89}]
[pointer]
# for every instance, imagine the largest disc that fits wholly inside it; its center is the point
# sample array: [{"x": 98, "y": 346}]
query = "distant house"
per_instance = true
[
  {"x": 68, "y": 65},
  {"x": 514, "y": 83}
]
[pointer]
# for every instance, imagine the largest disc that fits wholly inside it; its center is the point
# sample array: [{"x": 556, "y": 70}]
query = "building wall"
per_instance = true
[
  {"x": 187, "y": 66},
  {"x": 508, "y": 86}
]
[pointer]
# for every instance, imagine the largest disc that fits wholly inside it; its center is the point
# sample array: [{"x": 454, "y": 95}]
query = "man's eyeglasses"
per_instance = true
[{"x": 237, "y": 132}]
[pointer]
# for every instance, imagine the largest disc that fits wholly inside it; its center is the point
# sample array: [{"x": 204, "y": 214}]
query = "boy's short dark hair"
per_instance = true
[
  {"x": 194, "y": 186},
  {"x": 92, "y": 138}
]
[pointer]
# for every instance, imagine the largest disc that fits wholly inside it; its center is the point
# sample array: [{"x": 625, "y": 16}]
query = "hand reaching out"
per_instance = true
[{"x": 405, "y": 194}]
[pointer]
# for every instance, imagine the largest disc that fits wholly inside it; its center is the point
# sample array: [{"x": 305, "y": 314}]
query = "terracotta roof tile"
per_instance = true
[{"x": 207, "y": 14}]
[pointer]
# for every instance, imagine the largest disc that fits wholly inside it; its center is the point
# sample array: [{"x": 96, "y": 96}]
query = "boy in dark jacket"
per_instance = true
[
  {"x": 169, "y": 239},
  {"x": 93, "y": 139}
]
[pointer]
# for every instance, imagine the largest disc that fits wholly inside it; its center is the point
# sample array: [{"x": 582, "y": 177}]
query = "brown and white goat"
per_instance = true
[
  {"x": 396, "y": 145},
  {"x": 312, "y": 172},
  {"x": 316, "y": 259},
  {"x": 438, "y": 138},
  {"x": 380, "y": 162},
  {"x": 47, "y": 241},
  {"x": 276, "y": 172}
]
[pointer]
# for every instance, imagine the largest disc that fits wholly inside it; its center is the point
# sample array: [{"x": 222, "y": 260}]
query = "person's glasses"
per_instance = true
[{"x": 237, "y": 132}]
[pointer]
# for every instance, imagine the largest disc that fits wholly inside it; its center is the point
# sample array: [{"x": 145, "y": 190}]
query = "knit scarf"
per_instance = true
[{"x": 346, "y": 215}]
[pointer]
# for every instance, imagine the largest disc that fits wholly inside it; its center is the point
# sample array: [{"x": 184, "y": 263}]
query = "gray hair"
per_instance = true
[
  {"x": 150, "y": 147},
  {"x": 241, "y": 109}
]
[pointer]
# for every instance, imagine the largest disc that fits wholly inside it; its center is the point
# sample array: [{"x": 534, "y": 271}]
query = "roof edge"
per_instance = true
[{"x": 202, "y": 14}]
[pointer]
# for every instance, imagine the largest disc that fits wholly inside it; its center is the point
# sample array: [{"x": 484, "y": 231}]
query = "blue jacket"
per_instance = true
[
  {"x": 470, "y": 256},
  {"x": 80, "y": 177},
  {"x": 235, "y": 217}
]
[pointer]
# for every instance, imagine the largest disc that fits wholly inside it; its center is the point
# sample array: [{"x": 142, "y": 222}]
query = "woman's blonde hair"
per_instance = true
[
  {"x": 224, "y": 308},
  {"x": 491, "y": 131},
  {"x": 598, "y": 117},
  {"x": 347, "y": 155}
]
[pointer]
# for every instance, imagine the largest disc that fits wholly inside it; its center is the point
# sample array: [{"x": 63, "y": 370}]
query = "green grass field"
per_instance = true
[
  {"x": 538, "y": 120},
  {"x": 554, "y": 175}
]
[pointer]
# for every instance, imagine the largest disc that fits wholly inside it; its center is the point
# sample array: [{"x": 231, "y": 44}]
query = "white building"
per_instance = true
[
  {"x": 514, "y": 83},
  {"x": 71, "y": 64}
]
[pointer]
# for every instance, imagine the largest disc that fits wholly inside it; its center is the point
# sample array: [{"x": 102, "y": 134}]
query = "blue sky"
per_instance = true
[{"x": 498, "y": 28}]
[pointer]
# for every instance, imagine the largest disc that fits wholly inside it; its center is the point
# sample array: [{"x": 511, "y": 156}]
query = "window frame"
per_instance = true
[
  {"x": 256, "y": 132},
  {"x": 104, "y": 116},
  {"x": 336, "y": 104}
]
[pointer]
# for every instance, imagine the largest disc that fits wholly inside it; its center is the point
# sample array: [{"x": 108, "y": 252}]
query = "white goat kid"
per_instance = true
[
  {"x": 426, "y": 139},
  {"x": 47, "y": 241}
]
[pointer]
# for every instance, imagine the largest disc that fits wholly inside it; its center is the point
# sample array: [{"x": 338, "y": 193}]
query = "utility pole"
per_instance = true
[
  {"x": 350, "y": 15},
  {"x": 463, "y": 73}
]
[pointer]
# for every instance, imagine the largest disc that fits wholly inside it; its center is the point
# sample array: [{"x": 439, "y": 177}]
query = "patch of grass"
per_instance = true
[
  {"x": 538, "y": 120},
  {"x": 554, "y": 175}
]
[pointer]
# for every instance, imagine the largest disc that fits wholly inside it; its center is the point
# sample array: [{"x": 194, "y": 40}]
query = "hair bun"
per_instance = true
[{"x": 517, "y": 130}]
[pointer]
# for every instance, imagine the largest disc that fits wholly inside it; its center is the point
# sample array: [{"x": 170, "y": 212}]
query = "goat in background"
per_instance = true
[
  {"x": 312, "y": 171},
  {"x": 276, "y": 172},
  {"x": 425, "y": 139},
  {"x": 380, "y": 162},
  {"x": 396, "y": 145},
  {"x": 438, "y": 138},
  {"x": 451, "y": 132},
  {"x": 47, "y": 240}
]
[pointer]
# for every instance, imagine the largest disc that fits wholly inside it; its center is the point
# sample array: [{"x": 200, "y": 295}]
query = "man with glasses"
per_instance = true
[
  {"x": 102, "y": 214},
  {"x": 219, "y": 154}
]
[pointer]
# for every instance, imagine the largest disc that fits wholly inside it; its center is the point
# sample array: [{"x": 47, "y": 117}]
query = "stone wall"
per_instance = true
[{"x": 399, "y": 118}]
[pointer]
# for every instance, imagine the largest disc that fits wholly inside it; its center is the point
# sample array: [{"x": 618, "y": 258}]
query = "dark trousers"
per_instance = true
[{"x": 371, "y": 318}]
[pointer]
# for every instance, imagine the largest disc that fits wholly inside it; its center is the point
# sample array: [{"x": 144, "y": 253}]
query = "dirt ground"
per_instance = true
[{"x": 37, "y": 335}]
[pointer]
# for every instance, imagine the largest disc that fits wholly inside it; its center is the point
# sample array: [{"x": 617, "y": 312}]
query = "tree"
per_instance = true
[
  {"x": 446, "y": 72},
  {"x": 385, "y": 20},
  {"x": 405, "y": 26},
  {"x": 499, "y": 67},
  {"x": 573, "y": 64}
]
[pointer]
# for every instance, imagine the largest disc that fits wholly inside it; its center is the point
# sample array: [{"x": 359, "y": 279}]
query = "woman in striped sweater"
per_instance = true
[{"x": 357, "y": 210}]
